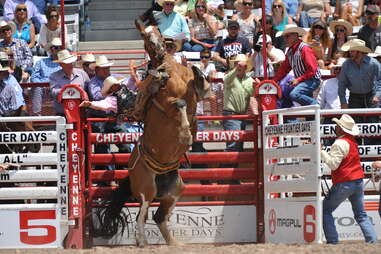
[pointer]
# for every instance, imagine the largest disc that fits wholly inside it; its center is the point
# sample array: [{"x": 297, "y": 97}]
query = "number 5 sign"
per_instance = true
[{"x": 38, "y": 227}]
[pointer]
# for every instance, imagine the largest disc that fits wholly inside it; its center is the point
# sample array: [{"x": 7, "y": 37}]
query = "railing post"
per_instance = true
[{"x": 71, "y": 96}]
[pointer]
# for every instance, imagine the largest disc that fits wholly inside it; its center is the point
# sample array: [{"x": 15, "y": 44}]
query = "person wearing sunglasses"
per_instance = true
[
  {"x": 21, "y": 53},
  {"x": 24, "y": 28},
  {"x": 291, "y": 7},
  {"x": 247, "y": 21},
  {"x": 172, "y": 24},
  {"x": 52, "y": 29},
  {"x": 41, "y": 73},
  {"x": 341, "y": 29},
  {"x": 86, "y": 61},
  {"x": 371, "y": 31},
  {"x": 309, "y": 11},
  {"x": 33, "y": 14},
  {"x": 203, "y": 28},
  {"x": 279, "y": 14},
  {"x": 319, "y": 40}
]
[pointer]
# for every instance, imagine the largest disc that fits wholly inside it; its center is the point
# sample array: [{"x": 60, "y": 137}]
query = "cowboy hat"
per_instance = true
[
  {"x": 292, "y": 28},
  {"x": 55, "y": 42},
  {"x": 108, "y": 83},
  {"x": 377, "y": 52},
  {"x": 88, "y": 58},
  {"x": 64, "y": 56},
  {"x": 356, "y": 45},
  {"x": 161, "y": 2},
  {"x": 341, "y": 22},
  {"x": 102, "y": 62},
  {"x": 339, "y": 62},
  {"x": 347, "y": 124},
  {"x": 12, "y": 25},
  {"x": 241, "y": 58},
  {"x": 171, "y": 41}
]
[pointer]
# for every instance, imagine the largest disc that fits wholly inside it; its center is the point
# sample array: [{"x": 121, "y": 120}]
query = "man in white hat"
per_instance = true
[
  {"x": 274, "y": 56},
  {"x": 41, "y": 73},
  {"x": 347, "y": 177},
  {"x": 360, "y": 74},
  {"x": 172, "y": 24},
  {"x": 20, "y": 52},
  {"x": 67, "y": 75},
  {"x": 301, "y": 60},
  {"x": 86, "y": 61}
]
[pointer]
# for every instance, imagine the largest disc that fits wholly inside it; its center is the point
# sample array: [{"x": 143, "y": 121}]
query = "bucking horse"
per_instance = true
[{"x": 166, "y": 104}]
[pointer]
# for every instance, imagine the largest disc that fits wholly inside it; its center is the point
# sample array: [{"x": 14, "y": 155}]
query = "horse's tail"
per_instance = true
[{"x": 111, "y": 219}]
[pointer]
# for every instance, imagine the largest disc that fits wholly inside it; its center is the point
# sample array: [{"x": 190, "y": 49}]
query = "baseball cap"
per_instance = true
[
  {"x": 372, "y": 9},
  {"x": 232, "y": 24}
]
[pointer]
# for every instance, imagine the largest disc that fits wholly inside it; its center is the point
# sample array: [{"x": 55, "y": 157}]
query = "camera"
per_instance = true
[{"x": 258, "y": 47}]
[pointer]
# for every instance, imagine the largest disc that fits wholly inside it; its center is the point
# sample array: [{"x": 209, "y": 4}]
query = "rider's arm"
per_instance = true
[{"x": 338, "y": 151}]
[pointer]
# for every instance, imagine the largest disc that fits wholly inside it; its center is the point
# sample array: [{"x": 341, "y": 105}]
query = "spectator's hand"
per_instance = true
[
  {"x": 85, "y": 104},
  {"x": 344, "y": 106},
  {"x": 184, "y": 60},
  {"x": 294, "y": 83},
  {"x": 224, "y": 62},
  {"x": 25, "y": 76},
  {"x": 256, "y": 82},
  {"x": 375, "y": 100}
]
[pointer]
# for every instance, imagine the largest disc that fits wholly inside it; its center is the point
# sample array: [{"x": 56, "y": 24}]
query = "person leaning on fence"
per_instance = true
[
  {"x": 67, "y": 75},
  {"x": 347, "y": 178},
  {"x": 238, "y": 88},
  {"x": 301, "y": 60},
  {"x": 41, "y": 73}
]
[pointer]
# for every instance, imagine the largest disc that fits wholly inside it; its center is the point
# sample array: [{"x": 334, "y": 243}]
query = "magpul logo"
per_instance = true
[{"x": 272, "y": 221}]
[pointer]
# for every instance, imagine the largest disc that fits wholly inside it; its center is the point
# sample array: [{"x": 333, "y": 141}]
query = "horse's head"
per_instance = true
[
  {"x": 201, "y": 85},
  {"x": 153, "y": 41}
]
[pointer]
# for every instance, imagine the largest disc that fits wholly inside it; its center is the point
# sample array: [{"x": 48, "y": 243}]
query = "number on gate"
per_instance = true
[
  {"x": 309, "y": 226},
  {"x": 26, "y": 225}
]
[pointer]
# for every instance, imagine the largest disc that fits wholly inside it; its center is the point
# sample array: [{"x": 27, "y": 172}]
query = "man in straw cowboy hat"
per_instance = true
[
  {"x": 238, "y": 88},
  {"x": 172, "y": 24},
  {"x": 41, "y": 73},
  {"x": 67, "y": 75},
  {"x": 301, "y": 60},
  {"x": 86, "y": 61},
  {"x": 347, "y": 178},
  {"x": 371, "y": 31},
  {"x": 360, "y": 74}
]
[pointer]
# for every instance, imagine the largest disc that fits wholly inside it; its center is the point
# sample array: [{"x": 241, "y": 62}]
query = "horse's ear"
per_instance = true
[{"x": 201, "y": 85}]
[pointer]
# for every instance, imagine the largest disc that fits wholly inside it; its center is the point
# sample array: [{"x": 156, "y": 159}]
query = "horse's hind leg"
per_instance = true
[{"x": 167, "y": 203}]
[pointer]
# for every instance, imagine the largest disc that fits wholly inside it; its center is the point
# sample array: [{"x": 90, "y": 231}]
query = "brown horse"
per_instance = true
[{"x": 167, "y": 105}]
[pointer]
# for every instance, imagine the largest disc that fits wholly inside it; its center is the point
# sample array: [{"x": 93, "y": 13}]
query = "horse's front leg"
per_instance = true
[
  {"x": 141, "y": 239},
  {"x": 167, "y": 203}
]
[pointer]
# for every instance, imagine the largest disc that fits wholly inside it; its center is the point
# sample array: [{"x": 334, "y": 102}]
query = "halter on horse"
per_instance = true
[{"x": 167, "y": 105}]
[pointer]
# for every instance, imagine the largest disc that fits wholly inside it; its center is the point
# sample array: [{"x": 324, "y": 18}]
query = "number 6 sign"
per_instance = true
[{"x": 27, "y": 224}]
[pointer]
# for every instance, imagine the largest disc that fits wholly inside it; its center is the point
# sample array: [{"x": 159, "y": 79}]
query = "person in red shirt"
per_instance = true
[
  {"x": 347, "y": 177},
  {"x": 301, "y": 60}
]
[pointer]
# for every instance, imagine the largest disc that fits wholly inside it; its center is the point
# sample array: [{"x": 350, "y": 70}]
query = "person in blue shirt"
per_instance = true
[
  {"x": 41, "y": 73},
  {"x": 172, "y": 24},
  {"x": 11, "y": 96}
]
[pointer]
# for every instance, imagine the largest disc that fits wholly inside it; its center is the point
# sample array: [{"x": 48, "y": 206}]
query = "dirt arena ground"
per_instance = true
[{"x": 347, "y": 248}]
